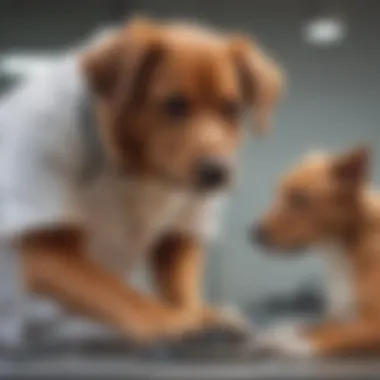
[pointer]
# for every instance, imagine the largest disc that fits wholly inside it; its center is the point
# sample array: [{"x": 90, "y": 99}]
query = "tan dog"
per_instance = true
[
  {"x": 326, "y": 201},
  {"x": 168, "y": 101}
]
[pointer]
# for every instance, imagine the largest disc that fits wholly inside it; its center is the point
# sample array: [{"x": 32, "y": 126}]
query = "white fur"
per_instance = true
[
  {"x": 285, "y": 339},
  {"x": 125, "y": 217},
  {"x": 234, "y": 317},
  {"x": 340, "y": 297}
]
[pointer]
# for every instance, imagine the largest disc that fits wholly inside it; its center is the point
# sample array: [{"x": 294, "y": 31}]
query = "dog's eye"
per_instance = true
[
  {"x": 298, "y": 200},
  {"x": 231, "y": 109},
  {"x": 177, "y": 106}
]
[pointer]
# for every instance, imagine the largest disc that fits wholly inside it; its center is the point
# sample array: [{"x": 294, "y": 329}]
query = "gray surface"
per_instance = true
[{"x": 71, "y": 367}]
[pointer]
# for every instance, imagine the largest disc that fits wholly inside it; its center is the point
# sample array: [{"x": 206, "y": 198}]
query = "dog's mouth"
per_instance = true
[
  {"x": 294, "y": 251},
  {"x": 206, "y": 177},
  {"x": 198, "y": 187},
  {"x": 181, "y": 184},
  {"x": 266, "y": 243},
  {"x": 276, "y": 250},
  {"x": 204, "y": 181}
]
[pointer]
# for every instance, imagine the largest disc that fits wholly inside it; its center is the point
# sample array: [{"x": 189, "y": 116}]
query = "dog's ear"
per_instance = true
[
  {"x": 122, "y": 65},
  {"x": 261, "y": 78},
  {"x": 353, "y": 166}
]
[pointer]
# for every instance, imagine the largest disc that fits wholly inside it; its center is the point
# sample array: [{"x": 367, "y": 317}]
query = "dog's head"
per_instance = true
[
  {"x": 171, "y": 95},
  {"x": 316, "y": 201}
]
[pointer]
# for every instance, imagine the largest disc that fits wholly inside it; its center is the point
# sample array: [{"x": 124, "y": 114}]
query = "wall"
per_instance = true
[{"x": 332, "y": 102}]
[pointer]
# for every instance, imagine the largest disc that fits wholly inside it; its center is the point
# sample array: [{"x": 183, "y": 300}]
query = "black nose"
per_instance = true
[
  {"x": 259, "y": 235},
  {"x": 212, "y": 173}
]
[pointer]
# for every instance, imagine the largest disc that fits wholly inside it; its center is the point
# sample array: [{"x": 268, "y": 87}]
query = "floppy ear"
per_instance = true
[
  {"x": 262, "y": 80},
  {"x": 119, "y": 71},
  {"x": 122, "y": 65},
  {"x": 353, "y": 167}
]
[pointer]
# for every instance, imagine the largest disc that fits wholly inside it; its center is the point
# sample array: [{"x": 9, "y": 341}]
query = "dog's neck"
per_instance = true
[
  {"x": 350, "y": 253},
  {"x": 362, "y": 218}
]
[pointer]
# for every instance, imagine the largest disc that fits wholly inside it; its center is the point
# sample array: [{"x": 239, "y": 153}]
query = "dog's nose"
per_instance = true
[
  {"x": 212, "y": 173},
  {"x": 259, "y": 235}
]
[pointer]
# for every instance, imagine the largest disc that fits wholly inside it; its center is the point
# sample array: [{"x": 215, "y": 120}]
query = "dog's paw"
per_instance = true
[
  {"x": 165, "y": 326},
  {"x": 285, "y": 340},
  {"x": 227, "y": 321}
]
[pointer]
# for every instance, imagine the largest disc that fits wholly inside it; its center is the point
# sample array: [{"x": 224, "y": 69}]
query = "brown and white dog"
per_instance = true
[
  {"x": 168, "y": 98},
  {"x": 326, "y": 201}
]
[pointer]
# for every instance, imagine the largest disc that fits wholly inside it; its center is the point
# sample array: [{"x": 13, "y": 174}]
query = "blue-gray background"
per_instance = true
[{"x": 332, "y": 101}]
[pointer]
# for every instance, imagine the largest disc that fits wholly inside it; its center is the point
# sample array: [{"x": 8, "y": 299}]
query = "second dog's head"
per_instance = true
[
  {"x": 170, "y": 98},
  {"x": 316, "y": 201}
]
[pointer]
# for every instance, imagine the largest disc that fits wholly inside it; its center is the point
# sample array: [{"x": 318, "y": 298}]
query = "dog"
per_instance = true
[
  {"x": 119, "y": 155},
  {"x": 326, "y": 201}
]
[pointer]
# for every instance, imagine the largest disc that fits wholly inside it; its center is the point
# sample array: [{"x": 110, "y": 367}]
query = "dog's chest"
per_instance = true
[
  {"x": 124, "y": 218},
  {"x": 340, "y": 287}
]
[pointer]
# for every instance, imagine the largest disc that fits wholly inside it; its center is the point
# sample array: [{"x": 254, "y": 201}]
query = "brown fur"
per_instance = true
[
  {"x": 335, "y": 206},
  {"x": 133, "y": 75},
  {"x": 142, "y": 68},
  {"x": 56, "y": 265}
]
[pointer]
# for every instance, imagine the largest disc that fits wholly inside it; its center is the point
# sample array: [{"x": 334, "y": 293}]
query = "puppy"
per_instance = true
[
  {"x": 325, "y": 201},
  {"x": 118, "y": 155}
]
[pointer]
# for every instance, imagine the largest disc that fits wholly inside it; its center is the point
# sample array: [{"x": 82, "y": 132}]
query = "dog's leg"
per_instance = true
[
  {"x": 177, "y": 266},
  {"x": 341, "y": 338},
  {"x": 335, "y": 338},
  {"x": 56, "y": 265}
]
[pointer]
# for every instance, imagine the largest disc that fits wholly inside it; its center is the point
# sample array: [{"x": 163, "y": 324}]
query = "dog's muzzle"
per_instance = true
[
  {"x": 212, "y": 173},
  {"x": 259, "y": 235}
]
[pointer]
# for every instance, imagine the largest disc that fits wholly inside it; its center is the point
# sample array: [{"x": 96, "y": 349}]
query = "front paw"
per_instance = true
[
  {"x": 285, "y": 340},
  {"x": 165, "y": 325},
  {"x": 227, "y": 321}
]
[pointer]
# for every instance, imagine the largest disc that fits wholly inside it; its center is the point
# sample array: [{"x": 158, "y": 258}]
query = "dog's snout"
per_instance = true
[
  {"x": 212, "y": 173},
  {"x": 259, "y": 235}
]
